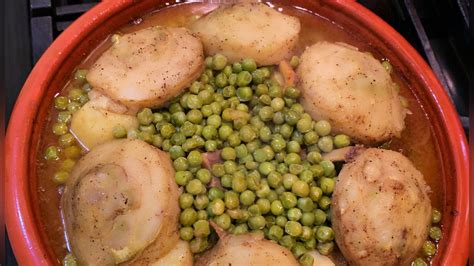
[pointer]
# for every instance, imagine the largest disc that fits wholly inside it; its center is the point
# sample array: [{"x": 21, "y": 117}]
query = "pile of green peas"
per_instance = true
[
  {"x": 66, "y": 151},
  {"x": 428, "y": 250},
  {"x": 271, "y": 175}
]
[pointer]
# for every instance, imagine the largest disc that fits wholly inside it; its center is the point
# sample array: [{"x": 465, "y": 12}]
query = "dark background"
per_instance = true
[{"x": 441, "y": 30}]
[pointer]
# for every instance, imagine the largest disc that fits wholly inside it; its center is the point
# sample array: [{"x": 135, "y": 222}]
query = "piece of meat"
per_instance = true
[
  {"x": 289, "y": 75},
  {"x": 148, "y": 67},
  {"x": 381, "y": 211},
  {"x": 248, "y": 30},
  {"x": 352, "y": 90},
  {"x": 210, "y": 158}
]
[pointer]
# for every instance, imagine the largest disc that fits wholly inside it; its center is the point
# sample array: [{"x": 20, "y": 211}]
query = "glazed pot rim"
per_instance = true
[{"x": 23, "y": 232}]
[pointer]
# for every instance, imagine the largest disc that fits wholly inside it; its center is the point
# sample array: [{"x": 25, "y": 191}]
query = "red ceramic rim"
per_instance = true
[{"x": 22, "y": 230}]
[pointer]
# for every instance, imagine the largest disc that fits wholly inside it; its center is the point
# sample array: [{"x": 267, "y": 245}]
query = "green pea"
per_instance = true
[
  {"x": 133, "y": 134},
  {"x": 195, "y": 159},
  {"x": 72, "y": 152},
  {"x": 419, "y": 262},
  {"x": 219, "y": 61},
  {"x": 188, "y": 216},
  {"x": 278, "y": 144},
  {"x": 241, "y": 151},
  {"x": 228, "y": 153},
  {"x": 216, "y": 207},
  {"x": 254, "y": 210},
  {"x": 288, "y": 200},
  {"x": 247, "y": 198},
  {"x": 289, "y": 180},
  {"x": 257, "y": 222},
  {"x": 435, "y": 216},
  {"x": 247, "y": 134},
  {"x": 435, "y": 233},
  {"x": 167, "y": 130},
  {"x": 145, "y": 116},
  {"x": 306, "y": 176},
  {"x": 327, "y": 185},
  {"x": 324, "y": 234},
  {"x": 292, "y": 158},
  {"x": 307, "y": 219},
  {"x": 274, "y": 179},
  {"x": 266, "y": 168},
  {"x": 240, "y": 229},
  {"x": 236, "y": 67},
  {"x": 69, "y": 260},
  {"x": 60, "y": 177},
  {"x": 314, "y": 157},
  {"x": 287, "y": 241},
  {"x": 305, "y": 204},
  {"x": 231, "y": 199},
  {"x": 325, "y": 248},
  {"x": 194, "y": 187},
  {"x": 223, "y": 221},
  {"x": 244, "y": 93},
  {"x": 73, "y": 107},
  {"x": 325, "y": 144},
  {"x": 300, "y": 188},
  {"x": 157, "y": 141},
  {"x": 182, "y": 177},
  {"x": 305, "y": 259},
  {"x": 248, "y": 64},
  {"x": 61, "y": 103},
  {"x": 60, "y": 128},
  {"x": 198, "y": 245},
  {"x": 64, "y": 117},
  {"x": 215, "y": 193},
  {"x": 67, "y": 165},
  {"x": 294, "y": 62},
  {"x": 294, "y": 214},
  {"x": 260, "y": 155},
  {"x": 186, "y": 233},
  {"x": 275, "y": 232},
  {"x": 293, "y": 228},
  {"x": 221, "y": 80},
  {"x": 310, "y": 138},
  {"x": 272, "y": 195},
  {"x": 292, "y": 92},
  {"x": 201, "y": 228},
  {"x": 201, "y": 202},
  {"x": 230, "y": 167},
  {"x": 264, "y": 205},
  {"x": 218, "y": 170},
  {"x": 341, "y": 141},
  {"x": 209, "y": 132},
  {"x": 186, "y": 200},
  {"x": 193, "y": 102},
  {"x": 428, "y": 248},
  {"x": 324, "y": 202},
  {"x": 239, "y": 184},
  {"x": 277, "y": 207},
  {"x": 319, "y": 217},
  {"x": 194, "y": 116},
  {"x": 210, "y": 145},
  {"x": 327, "y": 166},
  {"x": 181, "y": 164},
  {"x": 298, "y": 249},
  {"x": 322, "y": 127}
]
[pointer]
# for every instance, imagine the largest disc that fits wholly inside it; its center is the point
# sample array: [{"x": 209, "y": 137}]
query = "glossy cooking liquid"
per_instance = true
[{"x": 417, "y": 141}]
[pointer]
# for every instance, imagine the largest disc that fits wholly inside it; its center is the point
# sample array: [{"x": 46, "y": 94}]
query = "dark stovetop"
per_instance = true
[{"x": 441, "y": 30}]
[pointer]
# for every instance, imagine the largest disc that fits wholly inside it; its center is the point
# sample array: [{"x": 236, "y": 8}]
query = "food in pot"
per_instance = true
[
  {"x": 148, "y": 67},
  {"x": 121, "y": 201},
  {"x": 352, "y": 90},
  {"x": 381, "y": 210},
  {"x": 246, "y": 249},
  {"x": 248, "y": 30},
  {"x": 236, "y": 145}
]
